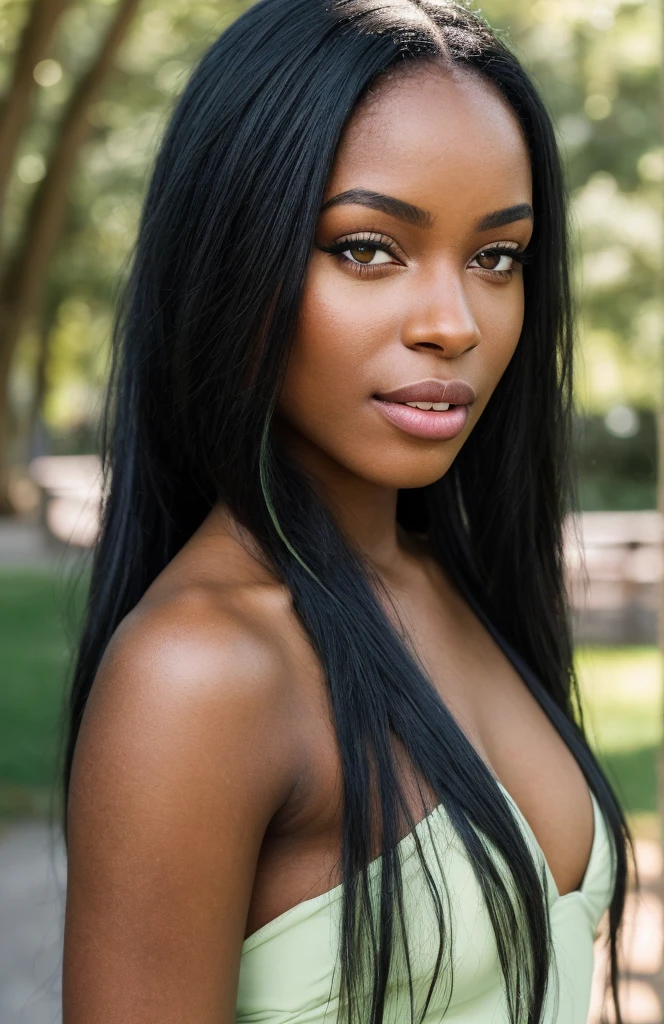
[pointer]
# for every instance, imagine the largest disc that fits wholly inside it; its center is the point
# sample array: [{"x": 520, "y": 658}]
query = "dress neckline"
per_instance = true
[
  {"x": 330, "y": 895},
  {"x": 581, "y": 890},
  {"x": 554, "y": 896}
]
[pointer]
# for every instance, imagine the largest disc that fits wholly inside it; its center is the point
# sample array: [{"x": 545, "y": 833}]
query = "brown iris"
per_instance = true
[
  {"x": 362, "y": 253},
  {"x": 488, "y": 256}
]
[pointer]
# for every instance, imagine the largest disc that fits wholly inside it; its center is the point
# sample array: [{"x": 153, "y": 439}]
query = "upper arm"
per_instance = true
[{"x": 182, "y": 759}]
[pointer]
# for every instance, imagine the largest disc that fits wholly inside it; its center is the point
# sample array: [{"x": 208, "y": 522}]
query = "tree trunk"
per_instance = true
[
  {"x": 25, "y": 274},
  {"x": 15, "y": 110},
  {"x": 6, "y": 505},
  {"x": 30, "y": 441}
]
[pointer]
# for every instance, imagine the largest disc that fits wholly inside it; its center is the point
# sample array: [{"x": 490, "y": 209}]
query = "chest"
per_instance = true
[
  {"x": 498, "y": 714},
  {"x": 505, "y": 723}
]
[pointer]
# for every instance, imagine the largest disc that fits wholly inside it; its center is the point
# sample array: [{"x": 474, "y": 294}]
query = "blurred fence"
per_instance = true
[
  {"x": 614, "y": 559},
  {"x": 614, "y": 565}
]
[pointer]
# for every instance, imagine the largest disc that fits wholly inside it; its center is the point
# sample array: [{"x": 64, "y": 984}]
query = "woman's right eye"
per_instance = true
[{"x": 366, "y": 254}]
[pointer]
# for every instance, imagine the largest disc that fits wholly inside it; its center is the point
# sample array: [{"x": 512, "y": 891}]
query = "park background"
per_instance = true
[{"x": 86, "y": 90}]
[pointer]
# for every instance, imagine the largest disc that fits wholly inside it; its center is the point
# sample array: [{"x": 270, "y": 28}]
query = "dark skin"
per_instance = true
[{"x": 206, "y": 790}]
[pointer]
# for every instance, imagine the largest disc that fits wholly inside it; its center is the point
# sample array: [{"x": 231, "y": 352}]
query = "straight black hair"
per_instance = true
[{"x": 201, "y": 345}]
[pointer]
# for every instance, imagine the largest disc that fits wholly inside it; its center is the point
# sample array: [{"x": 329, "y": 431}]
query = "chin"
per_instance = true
[{"x": 406, "y": 472}]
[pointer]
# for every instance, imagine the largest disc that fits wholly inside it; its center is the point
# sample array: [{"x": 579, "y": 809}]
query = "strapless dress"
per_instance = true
[{"x": 289, "y": 967}]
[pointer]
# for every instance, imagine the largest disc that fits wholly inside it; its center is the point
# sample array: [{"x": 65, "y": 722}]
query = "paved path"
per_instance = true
[{"x": 32, "y": 886}]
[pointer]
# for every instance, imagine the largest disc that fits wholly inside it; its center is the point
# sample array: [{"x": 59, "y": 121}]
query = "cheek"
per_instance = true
[
  {"x": 320, "y": 366},
  {"x": 329, "y": 369},
  {"x": 500, "y": 324}
]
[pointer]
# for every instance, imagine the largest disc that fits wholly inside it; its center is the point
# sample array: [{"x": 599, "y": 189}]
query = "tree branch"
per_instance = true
[
  {"x": 15, "y": 110},
  {"x": 23, "y": 279},
  {"x": 26, "y": 271}
]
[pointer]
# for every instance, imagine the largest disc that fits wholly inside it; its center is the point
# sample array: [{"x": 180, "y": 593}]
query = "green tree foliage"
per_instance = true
[
  {"x": 26, "y": 259},
  {"x": 598, "y": 67}
]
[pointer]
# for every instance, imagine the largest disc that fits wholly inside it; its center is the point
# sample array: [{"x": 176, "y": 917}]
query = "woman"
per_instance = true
[{"x": 332, "y": 766}]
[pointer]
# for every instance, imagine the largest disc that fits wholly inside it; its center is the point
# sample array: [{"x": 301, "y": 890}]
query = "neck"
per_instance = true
[{"x": 366, "y": 512}]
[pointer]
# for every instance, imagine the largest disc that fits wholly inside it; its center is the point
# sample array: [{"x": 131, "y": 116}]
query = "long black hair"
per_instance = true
[{"x": 201, "y": 345}]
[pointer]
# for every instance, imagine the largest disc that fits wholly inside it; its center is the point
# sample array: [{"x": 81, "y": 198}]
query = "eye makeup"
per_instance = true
[{"x": 352, "y": 251}]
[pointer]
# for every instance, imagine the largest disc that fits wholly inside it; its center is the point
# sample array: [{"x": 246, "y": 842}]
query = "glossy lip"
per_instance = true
[
  {"x": 430, "y": 425},
  {"x": 431, "y": 389}
]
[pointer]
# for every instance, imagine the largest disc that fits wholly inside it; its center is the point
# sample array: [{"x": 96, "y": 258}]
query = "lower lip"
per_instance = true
[{"x": 430, "y": 424}]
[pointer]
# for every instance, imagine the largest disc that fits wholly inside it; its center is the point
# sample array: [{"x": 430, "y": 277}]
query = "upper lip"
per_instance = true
[{"x": 432, "y": 389}]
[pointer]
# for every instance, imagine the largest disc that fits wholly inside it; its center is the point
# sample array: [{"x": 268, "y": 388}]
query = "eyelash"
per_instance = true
[{"x": 379, "y": 242}]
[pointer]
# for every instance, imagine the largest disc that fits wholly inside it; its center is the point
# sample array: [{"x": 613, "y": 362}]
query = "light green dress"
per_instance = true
[{"x": 289, "y": 968}]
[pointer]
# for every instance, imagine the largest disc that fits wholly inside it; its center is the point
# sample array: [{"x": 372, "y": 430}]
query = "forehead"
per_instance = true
[{"x": 442, "y": 141}]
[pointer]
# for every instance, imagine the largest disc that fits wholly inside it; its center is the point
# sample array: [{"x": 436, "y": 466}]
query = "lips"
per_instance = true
[
  {"x": 432, "y": 426},
  {"x": 455, "y": 392}
]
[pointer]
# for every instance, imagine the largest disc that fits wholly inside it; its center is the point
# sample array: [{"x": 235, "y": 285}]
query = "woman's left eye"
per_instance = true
[
  {"x": 498, "y": 261},
  {"x": 366, "y": 254}
]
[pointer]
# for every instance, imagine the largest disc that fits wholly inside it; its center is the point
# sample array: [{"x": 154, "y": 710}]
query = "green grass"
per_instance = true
[
  {"x": 34, "y": 606},
  {"x": 620, "y": 689}
]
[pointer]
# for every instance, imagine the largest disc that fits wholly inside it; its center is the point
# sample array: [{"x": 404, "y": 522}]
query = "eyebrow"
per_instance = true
[
  {"x": 402, "y": 210},
  {"x": 522, "y": 211},
  {"x": 385, "y": 204}
]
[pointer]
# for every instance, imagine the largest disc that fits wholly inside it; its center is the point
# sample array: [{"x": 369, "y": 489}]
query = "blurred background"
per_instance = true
[{"x": 86, "y": 87}]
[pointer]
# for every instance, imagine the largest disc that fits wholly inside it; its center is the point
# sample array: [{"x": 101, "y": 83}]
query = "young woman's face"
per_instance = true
[{"x": 404, "y": 284}]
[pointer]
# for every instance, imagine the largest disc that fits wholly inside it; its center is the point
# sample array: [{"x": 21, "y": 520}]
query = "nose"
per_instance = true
[{"x": 441, "y": 318}]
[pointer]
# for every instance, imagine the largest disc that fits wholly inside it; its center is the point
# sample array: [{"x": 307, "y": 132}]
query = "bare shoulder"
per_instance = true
[
  {"x": 210, "y": 667},
  {"x": 184, "y": 755},
  {"x": 204, "y": 638}
]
